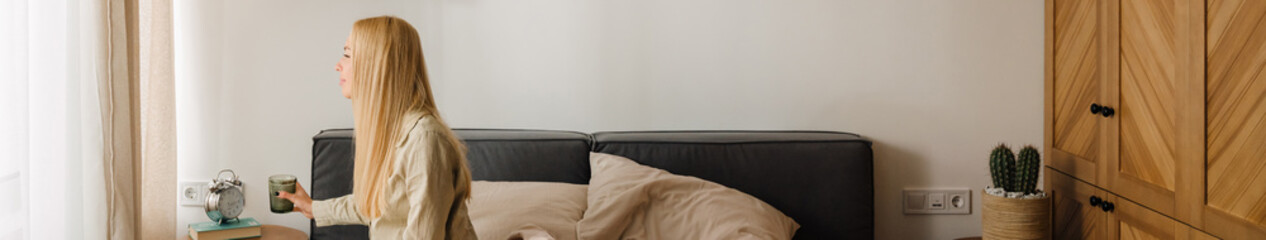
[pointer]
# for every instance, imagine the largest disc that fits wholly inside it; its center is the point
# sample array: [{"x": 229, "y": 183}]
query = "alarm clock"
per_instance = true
[{"x": 225, "y": 201}]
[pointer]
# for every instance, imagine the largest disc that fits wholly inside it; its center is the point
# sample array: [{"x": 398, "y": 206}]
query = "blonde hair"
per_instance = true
[{"x": 390, "y": 80}]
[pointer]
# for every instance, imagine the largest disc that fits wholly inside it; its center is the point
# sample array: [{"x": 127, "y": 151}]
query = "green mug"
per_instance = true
[{"x": 281, "y": 183}]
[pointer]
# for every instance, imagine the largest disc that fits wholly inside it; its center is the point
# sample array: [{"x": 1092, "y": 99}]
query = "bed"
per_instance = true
[{"x": 822, "y": 180}]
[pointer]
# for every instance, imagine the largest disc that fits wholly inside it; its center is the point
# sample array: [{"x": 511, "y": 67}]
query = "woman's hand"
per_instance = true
[{"x": 303, "y": 203}]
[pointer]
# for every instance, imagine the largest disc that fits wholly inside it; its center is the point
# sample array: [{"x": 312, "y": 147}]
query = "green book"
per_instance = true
[{"x": 237, "y": 229}]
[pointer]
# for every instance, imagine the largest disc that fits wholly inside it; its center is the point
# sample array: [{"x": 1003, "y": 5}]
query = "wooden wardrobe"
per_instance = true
[{"x": 1156, "y": 118}]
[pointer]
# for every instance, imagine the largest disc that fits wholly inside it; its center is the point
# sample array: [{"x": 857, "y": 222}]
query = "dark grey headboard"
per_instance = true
[{"x": 823, "y": 180}]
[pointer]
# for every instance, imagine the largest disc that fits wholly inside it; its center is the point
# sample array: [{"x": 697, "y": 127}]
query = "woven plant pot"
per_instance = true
[{"x": 1013, "y": 218}]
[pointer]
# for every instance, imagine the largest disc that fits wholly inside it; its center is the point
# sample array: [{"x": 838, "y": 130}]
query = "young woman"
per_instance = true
[{"x": 410, "y": 180}]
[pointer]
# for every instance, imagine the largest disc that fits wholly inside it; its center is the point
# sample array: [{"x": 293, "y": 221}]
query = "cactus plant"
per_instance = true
[
  {"x": 1002, "y": 167},
  {"x": 1026, "y": 170}
]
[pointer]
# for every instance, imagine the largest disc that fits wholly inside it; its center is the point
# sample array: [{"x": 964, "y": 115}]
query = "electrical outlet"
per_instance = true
[
  {"x": 192, "y": 193},
  {"x": 937, "y": 201}
]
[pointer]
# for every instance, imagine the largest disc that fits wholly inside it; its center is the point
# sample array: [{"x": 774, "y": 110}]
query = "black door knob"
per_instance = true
[
  {"x": 1095, "y": 201},
  {"x": 1095, "y": 108},
  {"x": 1107, "y": 206},
  {"x": 1107, "y": 111}
]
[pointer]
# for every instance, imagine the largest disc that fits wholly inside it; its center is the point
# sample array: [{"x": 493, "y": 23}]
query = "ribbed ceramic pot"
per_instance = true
[{"x": 1014, "y": 218}]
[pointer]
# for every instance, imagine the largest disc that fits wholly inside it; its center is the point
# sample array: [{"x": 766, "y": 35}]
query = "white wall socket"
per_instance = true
[
  {"x": 192, "y": 193},
  {"x": 937, "y": 201}
]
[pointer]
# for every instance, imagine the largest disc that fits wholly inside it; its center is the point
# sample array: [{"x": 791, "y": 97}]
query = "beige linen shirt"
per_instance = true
[{"x": 421, "y": 193}]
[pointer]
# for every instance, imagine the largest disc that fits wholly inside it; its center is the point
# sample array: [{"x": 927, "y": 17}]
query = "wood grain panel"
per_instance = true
[
  {"x": 1133, "y": 221},
  {"x": 1076, "y": 77},
  {"x": 1074, "y": 218},
  {"x": 1189, "y": 233},
  {"x": 1227, "y": 226},
  {"x": 1150, "y": 82},
  {"x": 1129, "y": 232},
  {"x": 1236, "y": 113}
]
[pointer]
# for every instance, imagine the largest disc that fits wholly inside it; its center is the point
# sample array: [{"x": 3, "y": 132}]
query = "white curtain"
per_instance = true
[{"x": 53, "y": 55}]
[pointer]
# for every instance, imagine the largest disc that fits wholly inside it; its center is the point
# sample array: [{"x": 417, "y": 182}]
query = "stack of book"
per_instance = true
[{"x": 235, "y": 229}]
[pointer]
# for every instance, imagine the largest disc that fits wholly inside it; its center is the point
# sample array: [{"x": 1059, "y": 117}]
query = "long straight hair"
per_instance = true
[{"x": 390, "y": 80}]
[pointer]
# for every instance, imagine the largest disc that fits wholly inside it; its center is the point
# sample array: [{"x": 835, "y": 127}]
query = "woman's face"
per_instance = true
[{"x": 345, "y": 69}]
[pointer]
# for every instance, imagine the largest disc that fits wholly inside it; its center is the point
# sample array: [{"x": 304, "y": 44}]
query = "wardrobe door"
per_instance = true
[
  {"x": 1158, "y": 123},
  {"x": 1074, "y": 216},
  {"x": 1075, "y": 73},
  {"x": 1236, "y": 92}
]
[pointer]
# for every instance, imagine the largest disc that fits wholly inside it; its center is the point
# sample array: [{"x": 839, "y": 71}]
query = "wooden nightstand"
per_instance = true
[{"x": 276, "y": 232}]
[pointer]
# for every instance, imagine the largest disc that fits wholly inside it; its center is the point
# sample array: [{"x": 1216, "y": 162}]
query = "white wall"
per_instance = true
[
  {"x": 254, "y": 81},
  {"x": 934, "y": 83}
]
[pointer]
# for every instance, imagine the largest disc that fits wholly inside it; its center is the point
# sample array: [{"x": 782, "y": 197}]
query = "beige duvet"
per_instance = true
[{"x": 624, "y": 200}]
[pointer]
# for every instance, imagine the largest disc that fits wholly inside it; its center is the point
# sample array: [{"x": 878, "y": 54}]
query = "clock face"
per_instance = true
[{"x": 231, "y": 202}]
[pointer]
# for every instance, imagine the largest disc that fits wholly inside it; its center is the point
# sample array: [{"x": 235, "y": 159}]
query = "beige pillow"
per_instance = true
[
  {"x": 631, "y": 201},
  {"x": 518, "y": 210}
]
